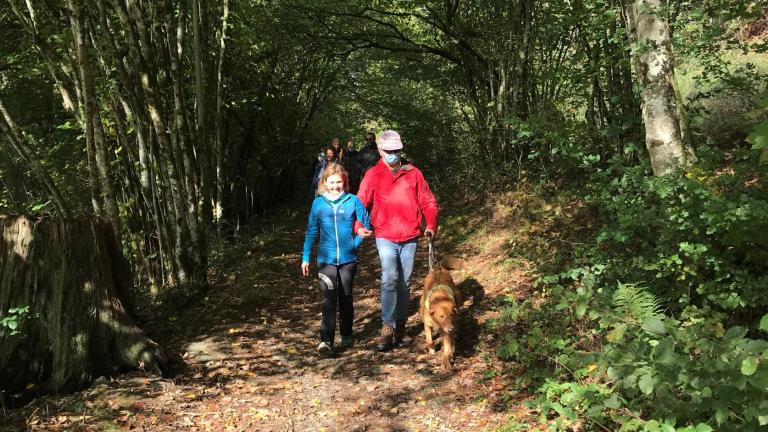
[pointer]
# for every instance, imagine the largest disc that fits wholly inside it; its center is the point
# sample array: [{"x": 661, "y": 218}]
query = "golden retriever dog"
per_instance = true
[{"x": 440, "y": 301}]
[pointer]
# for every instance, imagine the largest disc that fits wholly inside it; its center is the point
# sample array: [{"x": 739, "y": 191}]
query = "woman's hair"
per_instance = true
[
  {"x": 335, "y": 152},
  {"x": 331, "y": 169}
]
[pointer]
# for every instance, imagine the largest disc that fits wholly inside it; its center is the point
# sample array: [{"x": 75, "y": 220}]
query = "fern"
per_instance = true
[{"x": 634, "y": 303}]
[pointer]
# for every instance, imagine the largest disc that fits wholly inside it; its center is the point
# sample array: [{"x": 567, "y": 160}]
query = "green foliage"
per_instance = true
[
  {"x": 13, "y": 319},
  {"x": 758, "y": 137},
  {"x": 681, "y": 349},
  {"x": 706, "y": 243}
]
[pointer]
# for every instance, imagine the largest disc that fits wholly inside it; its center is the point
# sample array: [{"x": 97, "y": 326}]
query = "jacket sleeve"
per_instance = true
[
  {"x": 362, "y": 219},
  {"x": 427, "y": 202},
  {"x": 313, "y": 228},
  {"x": 365, "y": 191},
  {"x": 365, "y": 196}
]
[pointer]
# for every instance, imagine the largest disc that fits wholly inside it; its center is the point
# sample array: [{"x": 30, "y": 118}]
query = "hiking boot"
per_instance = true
[
  {"x": 346, "y": 342},
  {"x": 400, "y": 336},
  {"x": 386, "y": 339},
  {"x": 324, "y": 348}
]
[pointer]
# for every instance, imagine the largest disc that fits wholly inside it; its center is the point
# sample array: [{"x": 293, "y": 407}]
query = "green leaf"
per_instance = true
[
  {"x": 721, "y": 415},
  {"x": 760, "y": 379},
  {"x": 736, "y": 332},
  {"x": 581, "y": 309},
  {"x": 749, "y": 366},
  {"x": 612, "y": 402},
  {"x": 646, "y": 384},
  {"x": 665, "y": 350},
  {"x": 764, "y": 323},
  {"x": 703, "y": 427},
  {"x": 654, "y": 324},
  {"x": 758, "y": 136},
  {"x": 617, "y": 333}
]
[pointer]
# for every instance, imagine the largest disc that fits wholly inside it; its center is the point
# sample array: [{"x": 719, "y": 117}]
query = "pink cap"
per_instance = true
[{"x": 389, "y": 140}]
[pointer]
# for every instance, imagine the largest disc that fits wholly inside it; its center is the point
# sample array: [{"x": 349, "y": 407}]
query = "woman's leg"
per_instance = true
[
  {"x": 328, "y": 275},
  {"x": 346, "y": 306}
]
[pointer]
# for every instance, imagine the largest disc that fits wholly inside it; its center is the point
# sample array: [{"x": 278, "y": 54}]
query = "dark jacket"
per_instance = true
[{"x": 367, "y": 157}]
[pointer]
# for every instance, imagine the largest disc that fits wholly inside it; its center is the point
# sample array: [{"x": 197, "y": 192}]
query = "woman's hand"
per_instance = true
[
  {"x": 305, "y": 269},
  {"x": 364, "y": 233}
]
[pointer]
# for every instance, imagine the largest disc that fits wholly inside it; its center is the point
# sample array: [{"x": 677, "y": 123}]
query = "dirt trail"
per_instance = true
[{"x": 249, "y": 362}]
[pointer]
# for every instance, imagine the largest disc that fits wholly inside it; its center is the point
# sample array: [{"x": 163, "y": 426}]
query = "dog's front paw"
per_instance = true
[
  {"x": 446, "y": 365},
  {"x": 431, "y": 348}
]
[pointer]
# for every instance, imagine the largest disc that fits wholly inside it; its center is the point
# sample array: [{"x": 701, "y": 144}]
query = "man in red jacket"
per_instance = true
[{"x": 400, "y": 197}]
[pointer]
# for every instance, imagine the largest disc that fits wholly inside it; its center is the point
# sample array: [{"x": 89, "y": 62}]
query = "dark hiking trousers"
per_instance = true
[{"x": 336, "y": 285}]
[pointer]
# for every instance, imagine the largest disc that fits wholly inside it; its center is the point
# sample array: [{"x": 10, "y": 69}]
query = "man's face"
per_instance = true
[
  {"x": 370, "y": 139},
  {"x": 350, "y": 145},
  {"x": 388, "y": 155}
]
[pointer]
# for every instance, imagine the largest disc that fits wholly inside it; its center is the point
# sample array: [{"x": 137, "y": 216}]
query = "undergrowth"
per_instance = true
[{"x": 649, "y": 309}]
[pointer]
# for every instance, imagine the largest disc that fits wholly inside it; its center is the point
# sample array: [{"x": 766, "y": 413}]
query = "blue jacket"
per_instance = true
[{"x": 334, "y": 221}]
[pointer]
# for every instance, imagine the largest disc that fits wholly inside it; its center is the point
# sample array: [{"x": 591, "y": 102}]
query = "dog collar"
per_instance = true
[{"x": 447, "y": 289}]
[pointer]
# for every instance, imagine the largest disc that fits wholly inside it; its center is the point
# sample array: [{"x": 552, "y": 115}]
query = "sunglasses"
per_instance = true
[{"x": 392, "y": 151}]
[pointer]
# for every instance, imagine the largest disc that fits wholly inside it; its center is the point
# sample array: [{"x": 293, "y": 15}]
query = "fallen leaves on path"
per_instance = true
[{"x": 248, "y": 362}]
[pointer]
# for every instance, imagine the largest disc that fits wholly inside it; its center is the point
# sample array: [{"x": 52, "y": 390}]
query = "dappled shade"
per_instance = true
[{"x": 74, "y": 279}]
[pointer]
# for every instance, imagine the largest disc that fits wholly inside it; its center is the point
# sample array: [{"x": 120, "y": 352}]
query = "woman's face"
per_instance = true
[
  {"x": 334, "y": 184},
  {"x": 330, "y": 155}
]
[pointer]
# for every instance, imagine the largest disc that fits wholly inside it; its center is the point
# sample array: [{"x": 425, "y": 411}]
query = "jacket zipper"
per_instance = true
[{"x": 336, "y": 229}]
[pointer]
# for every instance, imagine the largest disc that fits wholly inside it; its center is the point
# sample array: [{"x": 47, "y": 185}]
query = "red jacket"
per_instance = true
[{"x": 399, "y": 201}]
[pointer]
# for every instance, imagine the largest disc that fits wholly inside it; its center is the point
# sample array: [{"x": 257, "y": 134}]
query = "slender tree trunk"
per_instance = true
[
  {"x": 175, "y": 38},
  {"x": 220, "y": 135},
  {"x": 94, "y": 133},
  {"x": 204, "y": 147},
  {"x": 655, "y": 71},
  {"x": 18, "y": 142}
]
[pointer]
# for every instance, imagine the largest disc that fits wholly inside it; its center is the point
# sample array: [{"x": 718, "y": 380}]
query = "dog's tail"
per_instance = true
[{"x": 450, "y": 262}]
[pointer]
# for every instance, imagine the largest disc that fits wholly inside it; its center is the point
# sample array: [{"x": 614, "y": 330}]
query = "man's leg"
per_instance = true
[
  {"x": 388, "y": 256},
  {"x": 406, "y": 260}
]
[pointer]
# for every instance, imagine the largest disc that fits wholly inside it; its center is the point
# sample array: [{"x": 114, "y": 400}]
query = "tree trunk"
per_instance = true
[
  {"x": 219, "y": 209},
  {"x": 18, "y": 142},
  {"x": 94, "y": 133},
  {"x": 75, "y": 281},
  {"x": 655, "y": 71}
]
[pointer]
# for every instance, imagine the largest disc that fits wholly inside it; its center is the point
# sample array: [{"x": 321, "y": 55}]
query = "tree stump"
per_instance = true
[{"x": 74, "y": 279}]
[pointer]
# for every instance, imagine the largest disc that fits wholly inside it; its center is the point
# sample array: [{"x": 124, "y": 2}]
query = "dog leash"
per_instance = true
[{"x": 432, "y": 260}]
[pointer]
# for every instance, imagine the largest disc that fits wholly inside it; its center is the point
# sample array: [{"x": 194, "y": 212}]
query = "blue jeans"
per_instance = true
[{"x": 396, "y": 268}]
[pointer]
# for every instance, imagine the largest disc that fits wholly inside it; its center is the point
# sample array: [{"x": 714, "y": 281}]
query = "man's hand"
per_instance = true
[
  {"x": 428, "y": 233},
  {"x": 305, "y": 269},
  {"x": 364, "y": 233}
]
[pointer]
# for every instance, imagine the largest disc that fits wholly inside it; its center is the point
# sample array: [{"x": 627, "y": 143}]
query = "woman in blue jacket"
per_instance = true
[{"x": 332, "y": 218}]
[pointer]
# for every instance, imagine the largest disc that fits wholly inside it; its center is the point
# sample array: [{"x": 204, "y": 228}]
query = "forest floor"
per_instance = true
[{"x": 246, "y": 359}]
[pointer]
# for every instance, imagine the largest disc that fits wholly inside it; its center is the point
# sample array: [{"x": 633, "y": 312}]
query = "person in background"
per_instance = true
[
  {"x": 341, "y": 154},
  {"x": 351, "y": 150},
  {"x": 330, "y": 157},
  {"x": 368, "y": 156},
  {"x": 398, "y": 197},
  {"x": 332, "y": 219},
  {"x": 353, "y": 167}
]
